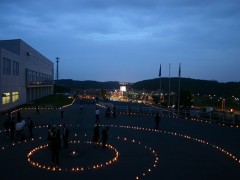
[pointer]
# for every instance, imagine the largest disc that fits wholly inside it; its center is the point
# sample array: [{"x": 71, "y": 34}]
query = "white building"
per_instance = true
[{"x": 25, "y": 74}]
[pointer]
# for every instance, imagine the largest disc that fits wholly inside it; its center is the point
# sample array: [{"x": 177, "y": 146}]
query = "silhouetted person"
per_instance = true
[
  {"x": 114, "y": 112},
  {"x": 30, "y": 127},
  {"x": 6, "y": 125},
  {"x": 12, "y": 128},
  {"x": 140, "y": 110},
  {"x": 157, "y": 120},
  {"x": 65, "y": 136},
  {"x": 59, "y": 138},
  {"x": 49, "y": 135},
  {"x": 19, "y": 117},
  {"x": 105, "y": 136},
  {"x": 129, "y": 110},
  {"x": 108, "y": 111},
  {"x": 54, "y": 146},
  {"x": 96, "y": 135},
  {"x": 61, "y": 114},
  {"x": 37, "y": 109},
  {"x": 97, "y": 114}
]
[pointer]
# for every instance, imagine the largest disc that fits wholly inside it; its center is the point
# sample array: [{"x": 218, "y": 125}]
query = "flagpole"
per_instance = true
[
  {"x": 169, "y": 88},
  {"x": 160, "y": 74},
  {"x": 179, "y": 78}
]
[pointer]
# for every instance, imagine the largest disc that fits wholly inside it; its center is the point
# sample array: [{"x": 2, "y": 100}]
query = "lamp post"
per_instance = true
[
  {"x": 223, "y": 104},
  {"x": 57, "y": 75}
]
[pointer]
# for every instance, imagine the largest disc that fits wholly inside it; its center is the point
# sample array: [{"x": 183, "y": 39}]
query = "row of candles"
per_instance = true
[
  {"x": 42, "y": 108},
  {"x": 150, "y": 149},
  {"x": 220, "y": 149},
  {"x": 76, "y": 168},
  {"x": 101, "y": 165},
  {"x": 187, "y": 118},
  {"x": 94, "y": 166}
]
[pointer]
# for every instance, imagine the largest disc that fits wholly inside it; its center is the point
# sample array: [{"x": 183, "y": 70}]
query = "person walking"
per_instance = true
[
  {"x": 30, "y": 127},
  {"x": 65, "y": 136},
  {"x": 97, "y": 112},
  {"x": 157, "y": 120},
  {"x": 37, "y": 109},
  {"x": 61, "y": 113},
  {"x": 108, "y": 111},
  {"x": 114, "y": 112},
  {"x": 59, "y": 139},
  {"x": 54, "y": 146},
  {"x": 105, "y": 136},
  {"x": 12, "y": 129},
  {"x": 96, "y": 135},
  {"x": 6, "y": 125}
]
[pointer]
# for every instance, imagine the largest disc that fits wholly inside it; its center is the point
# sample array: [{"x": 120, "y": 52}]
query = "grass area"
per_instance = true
[{"x": 54, "y": 100}]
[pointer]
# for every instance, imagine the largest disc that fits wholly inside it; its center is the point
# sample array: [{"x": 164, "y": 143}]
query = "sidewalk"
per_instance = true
[{"x": 182, "y": 149}]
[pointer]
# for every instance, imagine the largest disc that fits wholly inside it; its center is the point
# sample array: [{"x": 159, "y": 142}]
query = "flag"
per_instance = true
[
  {"x": 179, "y": 72},
  {"x": 160, "y": 71}
]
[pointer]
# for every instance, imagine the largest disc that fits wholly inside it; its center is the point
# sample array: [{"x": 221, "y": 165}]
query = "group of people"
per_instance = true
[
  {"x": 96, "y": 135},
  {"x": 55, "y": 139},
  {"x": 108, "y": 112},
  {"x": 15, "y": 130}
]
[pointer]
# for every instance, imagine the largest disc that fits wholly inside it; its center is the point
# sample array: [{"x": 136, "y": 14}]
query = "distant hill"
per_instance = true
[
  {"x": 69, "y": 83},
  {"x": 193, "y": 85}
]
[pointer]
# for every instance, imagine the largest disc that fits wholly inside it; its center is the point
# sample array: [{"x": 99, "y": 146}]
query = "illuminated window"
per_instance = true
[
  {"x": 5, "y": 98},
  {"x": 15, "y": 96}
]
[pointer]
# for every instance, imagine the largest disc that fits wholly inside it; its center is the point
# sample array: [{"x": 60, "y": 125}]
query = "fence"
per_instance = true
[{"x": 214, "y": 116}]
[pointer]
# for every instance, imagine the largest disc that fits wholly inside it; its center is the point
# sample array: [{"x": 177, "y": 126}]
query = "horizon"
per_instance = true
[{"x": 153, "y": 79}]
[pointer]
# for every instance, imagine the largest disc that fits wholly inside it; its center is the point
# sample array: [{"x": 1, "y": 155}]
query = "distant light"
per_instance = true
[{"x": 123, "y": 88}]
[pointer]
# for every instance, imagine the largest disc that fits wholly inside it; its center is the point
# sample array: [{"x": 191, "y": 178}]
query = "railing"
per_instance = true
[{"x": 221, "y": 117}]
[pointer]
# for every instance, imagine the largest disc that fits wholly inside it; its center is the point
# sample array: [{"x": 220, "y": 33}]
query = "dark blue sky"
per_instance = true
[{"x": 126, "y": 40}]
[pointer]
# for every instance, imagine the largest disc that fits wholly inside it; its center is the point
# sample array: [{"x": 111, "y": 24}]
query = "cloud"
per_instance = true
[{"x": 152, "y": 31}]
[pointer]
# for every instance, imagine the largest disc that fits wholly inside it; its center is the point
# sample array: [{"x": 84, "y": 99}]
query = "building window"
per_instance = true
[
  {"x": 29, "y": 76},
  {"x": 15, "y": 96},
  {"x": 5, "y": 98},
  {"x": 15, "y": 68},
  {"x": 6, "y": 66}
]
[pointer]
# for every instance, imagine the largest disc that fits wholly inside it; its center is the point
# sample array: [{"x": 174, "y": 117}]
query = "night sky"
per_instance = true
[{"x": 127, "y": 40}]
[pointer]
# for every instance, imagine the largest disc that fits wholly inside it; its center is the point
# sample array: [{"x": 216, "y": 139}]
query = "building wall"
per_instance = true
[
  {"x": 10, "y": 83},
  {"x": 31, "y": 63}
]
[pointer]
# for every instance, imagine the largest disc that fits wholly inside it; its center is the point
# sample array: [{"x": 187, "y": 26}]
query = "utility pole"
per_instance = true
[{"x": 57, "y": 60}]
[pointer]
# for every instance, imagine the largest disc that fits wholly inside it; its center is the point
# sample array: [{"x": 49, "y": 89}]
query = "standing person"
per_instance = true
[
  {"x": 114, "y": 112},
  {"x": 59, "y": 138},
  {"x": 61, "y": 114},
  {"x": 19, "y": 117},
  {"x": 54, "y": 146},
  {"x": 105, "y": 136},
  {"x": 18, "y": 128},
  {"x": 30, "y": 127},
  {"x": 6, "y": 125},
  {"x": 65, "y": 136},
  {"x": 96, "y": 135},
  {"x": 12, "y": 128},
  {"x": 97, "y": 114},
  {"x": 129, "y": 110},
  {"x": 37, "y": 109},
  {"x": 49, "y": 135},
  {"x": 81, "y": 107},
  {"x": 108, "y": 111},
  {"x": 157, "y": 120}
]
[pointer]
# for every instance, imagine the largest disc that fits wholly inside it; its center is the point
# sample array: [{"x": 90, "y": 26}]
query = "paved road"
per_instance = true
[{"x": 182, "y": 149}]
